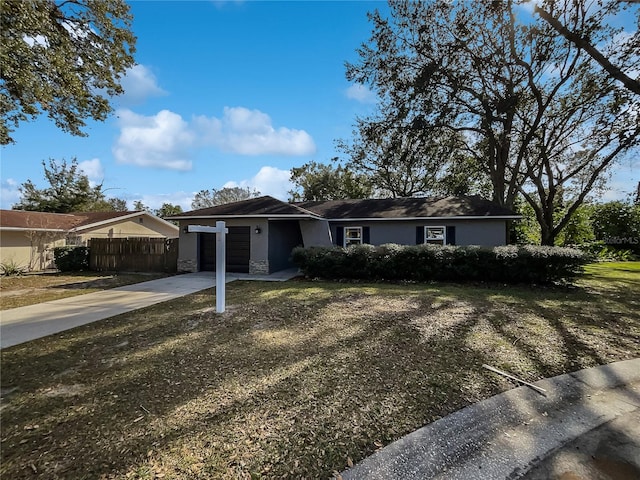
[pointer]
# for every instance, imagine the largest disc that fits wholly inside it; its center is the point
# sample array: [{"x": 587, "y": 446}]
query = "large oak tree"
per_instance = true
[
  {"x": 534, "y": 110},
  {"x": 63, "y": 58}
]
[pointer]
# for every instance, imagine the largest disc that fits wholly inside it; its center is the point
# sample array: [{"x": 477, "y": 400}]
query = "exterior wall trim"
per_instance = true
[{"x": 119, "y": 219}]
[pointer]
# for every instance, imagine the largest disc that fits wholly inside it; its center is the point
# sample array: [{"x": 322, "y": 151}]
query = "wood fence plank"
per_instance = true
[{"x": 133, "y": 254}]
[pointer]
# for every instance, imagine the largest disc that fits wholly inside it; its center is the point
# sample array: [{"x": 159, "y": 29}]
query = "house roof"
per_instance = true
[
  {"x": 265, "y": 206},
  {"x": 400, "y": 208},
  {"x": 363, "y": 209},
  {"x": 26, "y": 220}
]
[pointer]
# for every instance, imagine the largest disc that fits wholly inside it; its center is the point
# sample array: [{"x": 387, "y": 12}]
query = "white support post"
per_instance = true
[
  {"x": 221, "y": 266},
  {"x": 221, "y": 262}
]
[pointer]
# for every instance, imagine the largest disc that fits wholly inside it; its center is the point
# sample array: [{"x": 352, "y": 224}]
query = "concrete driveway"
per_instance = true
[{"x": 19, "y": 325}]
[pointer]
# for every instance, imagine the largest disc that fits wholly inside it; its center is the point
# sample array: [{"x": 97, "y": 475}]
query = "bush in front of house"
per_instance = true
[
  {"x": 508, "y": 264},
  {"x": 71, "y": 259}
]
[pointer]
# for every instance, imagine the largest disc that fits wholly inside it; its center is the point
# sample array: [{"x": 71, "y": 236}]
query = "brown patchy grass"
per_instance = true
[
  {"x": 295, "y": 380},
  {"x": 22, "y": 290}
]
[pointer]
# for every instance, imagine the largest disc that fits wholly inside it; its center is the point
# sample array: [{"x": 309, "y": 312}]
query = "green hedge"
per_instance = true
[
  {"x": 71, "y": 259},
  {"x": 508, "y": 264}
]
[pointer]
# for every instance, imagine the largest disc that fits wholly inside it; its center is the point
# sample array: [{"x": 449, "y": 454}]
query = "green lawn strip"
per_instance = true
[
  {"x": 23, "y": 290},
  {"x": 295, "y": 380}
]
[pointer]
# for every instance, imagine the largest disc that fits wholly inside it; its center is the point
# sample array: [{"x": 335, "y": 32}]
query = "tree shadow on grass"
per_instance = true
[{"x": 293, "y": 380}]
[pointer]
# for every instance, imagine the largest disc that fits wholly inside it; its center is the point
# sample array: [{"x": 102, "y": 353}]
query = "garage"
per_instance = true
[{"x": 238, "y": 250}]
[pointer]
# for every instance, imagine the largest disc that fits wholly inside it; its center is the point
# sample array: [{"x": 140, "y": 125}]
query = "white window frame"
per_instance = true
[
  {"x": 437, "y": 240},
  {"x": 347, "y": 240}
]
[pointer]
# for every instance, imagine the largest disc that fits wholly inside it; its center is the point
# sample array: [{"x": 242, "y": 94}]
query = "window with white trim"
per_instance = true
[
  {"x": 352, "y": 236},
  {"x": 435, "y": 235}
]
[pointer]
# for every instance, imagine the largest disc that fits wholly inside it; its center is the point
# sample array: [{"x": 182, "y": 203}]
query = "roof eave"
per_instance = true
[
  {"x": 31, "y": 229},
  {"x": 265, "y": 215},
  {"x": 455, "y": 217}
]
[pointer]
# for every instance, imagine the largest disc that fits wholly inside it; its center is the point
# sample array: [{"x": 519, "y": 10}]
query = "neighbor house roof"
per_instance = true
[
  {"x": 26, "y": 220},
  {"x": 265, "y": 206},
  {"x": 406, "y": 208},
  {"x": 363, "y": 209}
]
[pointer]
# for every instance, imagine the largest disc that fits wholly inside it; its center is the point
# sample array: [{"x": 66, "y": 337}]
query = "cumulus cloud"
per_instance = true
[
  {"x": 360, "y": 93},
  {"x": 268, "y": 181},
  {"x": 9, "y": 193},
  {"x": 93, "y": 170},
  {"x": 139, "y": 83},
  {"x": 251, "y": 132},
  {"x": 155, "y": 201},
  {"x": 162, "y": 140}
]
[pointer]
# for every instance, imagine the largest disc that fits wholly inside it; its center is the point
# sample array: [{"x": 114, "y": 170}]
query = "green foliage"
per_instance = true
[
  {"x": 71, "y": 259},
  {"x": 167, "y": 209},
  {"x": 65, "y": 59},
  {"x": 617, "y": 223},
  {"x": 213, "y": 197},
  {"x": 525, "y": 231},
  {"x": 320, "y": 181},
  {"x": 405, "y": 162},
  {"x": 138, "y": 206},
  {"x": 69, "y": 191},
  {"x": 11, "y": 268},
  {"x": 508, "y": 264},
  {"x": 599, "y": 251},
  {"x": 579, "y": 228}
]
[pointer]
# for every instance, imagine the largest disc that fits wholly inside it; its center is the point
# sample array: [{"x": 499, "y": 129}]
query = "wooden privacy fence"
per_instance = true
[{"x": 133, "y": 254}]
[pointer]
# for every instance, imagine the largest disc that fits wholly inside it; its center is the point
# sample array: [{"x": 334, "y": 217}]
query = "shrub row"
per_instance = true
[
  {"x": 508, "y": 264},
  {"x": 71, "y": 259}
]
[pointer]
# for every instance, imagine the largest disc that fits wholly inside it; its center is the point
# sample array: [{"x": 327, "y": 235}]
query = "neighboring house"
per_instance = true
[
  {"x": 27, "y": 238},
  {"x": 264, "y": 230}
]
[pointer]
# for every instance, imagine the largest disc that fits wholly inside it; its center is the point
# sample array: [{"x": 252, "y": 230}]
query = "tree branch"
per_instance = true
[{"x": 615, "y": 72}]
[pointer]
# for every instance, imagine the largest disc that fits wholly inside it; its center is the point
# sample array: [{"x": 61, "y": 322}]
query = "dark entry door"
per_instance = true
[{"x": 237, "y": 254}]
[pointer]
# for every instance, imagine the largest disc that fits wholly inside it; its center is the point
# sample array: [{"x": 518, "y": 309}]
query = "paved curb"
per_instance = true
[{"x": 505, "y": 435}]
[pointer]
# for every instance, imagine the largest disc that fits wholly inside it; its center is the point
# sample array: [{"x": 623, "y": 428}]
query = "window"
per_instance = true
[
  {"x": 435, "y": 235},
  {"x": 74, "y": 240},
  {"x": 352, "y": 236}
]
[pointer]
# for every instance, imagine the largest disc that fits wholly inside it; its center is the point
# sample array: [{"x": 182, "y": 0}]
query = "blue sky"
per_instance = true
[{"x": 224, "y": 94}]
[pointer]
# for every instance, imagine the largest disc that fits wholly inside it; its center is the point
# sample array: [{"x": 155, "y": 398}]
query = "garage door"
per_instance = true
[{"x": 237, "y": 254}]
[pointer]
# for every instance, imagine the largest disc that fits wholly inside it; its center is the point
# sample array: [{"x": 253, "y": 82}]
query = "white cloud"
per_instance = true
[
  {"x": 93, "y": 170},
  {"x": 155, "y": 201},
  {"x": 162, "y": 140},
  {"x": 165, "y": 140},
  {"x": 268, "y": 181},
  {"x": 529, "y": 5},
  {"x": 9, "y": 193},
  {"x": 139, "y": 83},
  {"x": 250, "y": 132},
  {"x": 361, "y": 93}
]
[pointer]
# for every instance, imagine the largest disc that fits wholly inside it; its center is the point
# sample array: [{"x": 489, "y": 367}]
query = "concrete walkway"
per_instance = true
[
  {"x": 566, "y": 434},
  {"x": 19, "y": 325}
]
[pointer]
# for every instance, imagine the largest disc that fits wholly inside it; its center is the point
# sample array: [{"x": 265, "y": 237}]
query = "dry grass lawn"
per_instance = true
[
  {"x": 296, "y": 379},
  {"x": 22, "y": 290}
]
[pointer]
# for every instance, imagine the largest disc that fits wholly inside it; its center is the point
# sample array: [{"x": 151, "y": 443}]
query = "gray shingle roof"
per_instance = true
[
  {"x": 384, "y": 208},
  {"x": 471, "y": 206},
  {"x": 260, "y": 206}
]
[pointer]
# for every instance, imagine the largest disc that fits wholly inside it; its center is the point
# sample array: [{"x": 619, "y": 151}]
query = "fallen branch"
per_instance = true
[{"x": 530, "y": 385}]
